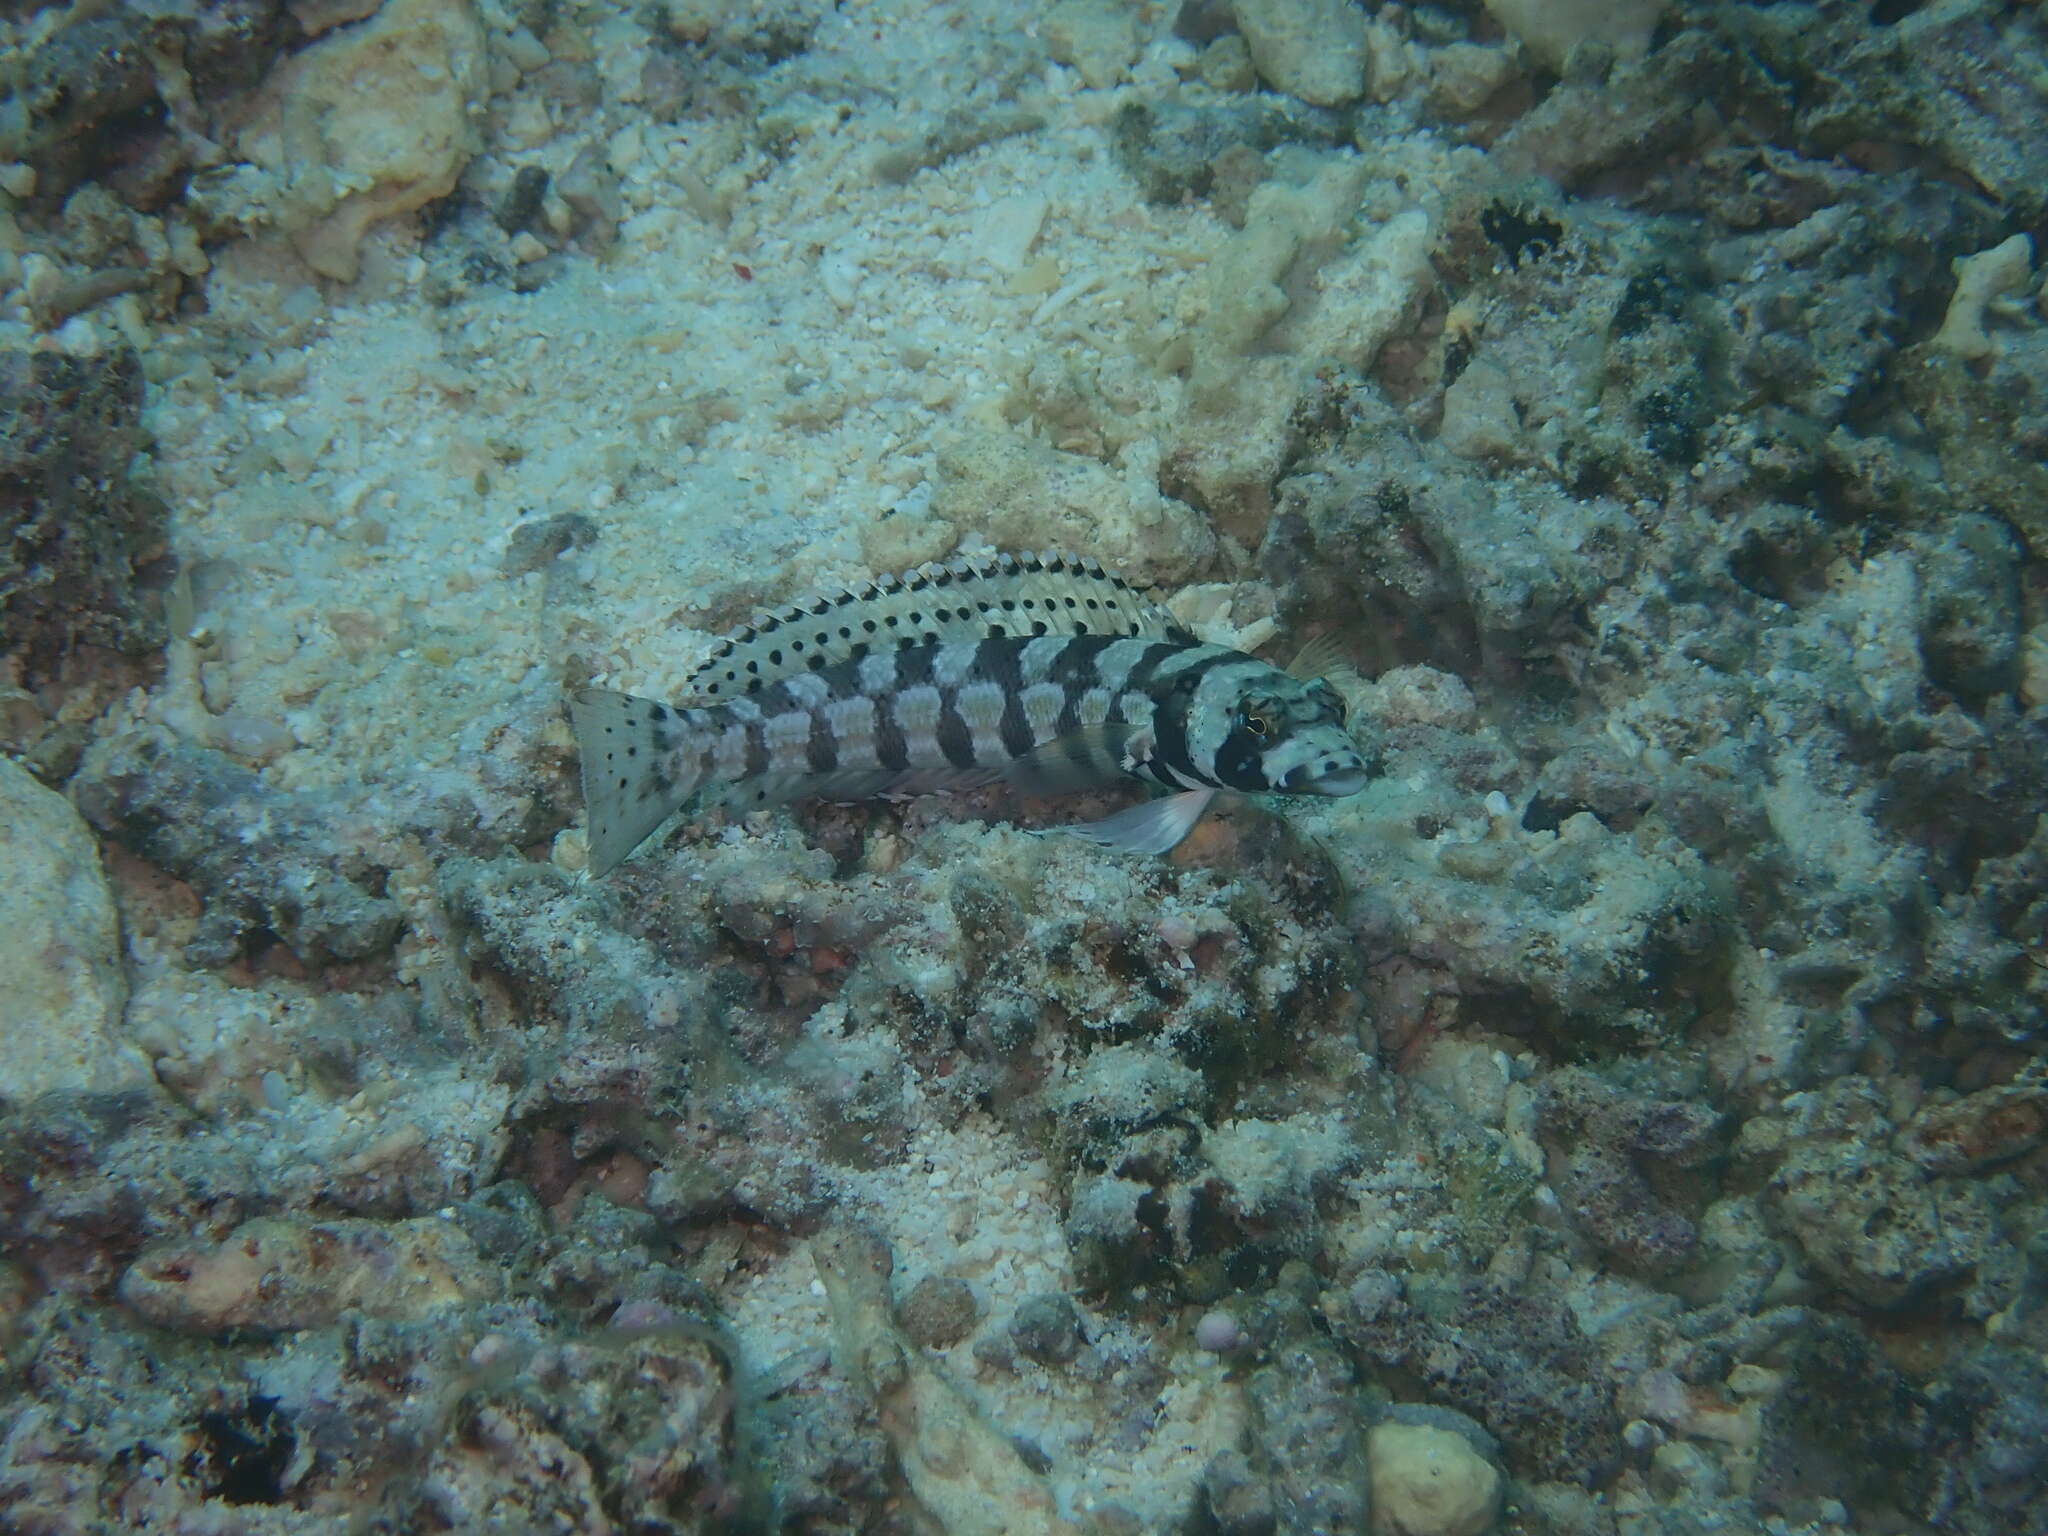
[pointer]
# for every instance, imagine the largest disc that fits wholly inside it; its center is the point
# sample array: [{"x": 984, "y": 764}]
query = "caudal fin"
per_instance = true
[{"x": 631, "y": 777}]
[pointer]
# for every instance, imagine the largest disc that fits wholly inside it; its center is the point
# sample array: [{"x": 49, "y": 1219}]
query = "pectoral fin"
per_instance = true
[{"x": 1083, "y": 759}]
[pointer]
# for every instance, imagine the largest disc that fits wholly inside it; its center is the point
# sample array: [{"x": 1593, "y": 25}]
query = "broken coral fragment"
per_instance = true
[
  {"x": 276, "y": 1274},
  {"x": 1312, "y": 50},
  {"x": 1023, "y": 494},
  {"x": 374, "y": 120},
  {"x": 1550, "y": 29},
  {"x": 964, "y": 1470},
  {"x": 1251, "y": 281},
  {"x": 1097, "y": 39},
  {"x": 1982, "y": 279}
]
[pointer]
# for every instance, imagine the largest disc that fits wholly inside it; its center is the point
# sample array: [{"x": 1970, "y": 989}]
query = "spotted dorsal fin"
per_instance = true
[{"x": 960, "y": 601}]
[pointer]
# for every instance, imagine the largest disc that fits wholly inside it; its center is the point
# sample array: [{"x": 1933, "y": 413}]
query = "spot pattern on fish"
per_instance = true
[{"x": 1044, "y": 671}]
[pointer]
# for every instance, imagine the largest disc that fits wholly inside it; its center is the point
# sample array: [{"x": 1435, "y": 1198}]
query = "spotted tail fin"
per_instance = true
[{"x": 636, "y": 773}]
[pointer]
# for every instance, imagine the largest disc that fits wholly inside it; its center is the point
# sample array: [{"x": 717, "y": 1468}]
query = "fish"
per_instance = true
[{"x": 1046, "y": 672}]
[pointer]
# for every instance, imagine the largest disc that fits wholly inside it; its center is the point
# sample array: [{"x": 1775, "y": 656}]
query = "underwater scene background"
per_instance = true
[{"x": 1625, "y": 1115}]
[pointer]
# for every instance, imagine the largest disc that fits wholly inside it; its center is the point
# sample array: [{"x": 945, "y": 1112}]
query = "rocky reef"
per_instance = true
[{"x": 1629, "y": 1113}]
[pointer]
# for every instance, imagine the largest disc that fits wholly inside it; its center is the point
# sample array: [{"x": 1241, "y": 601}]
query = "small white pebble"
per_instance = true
[{"x": 1218, "y": 1333}]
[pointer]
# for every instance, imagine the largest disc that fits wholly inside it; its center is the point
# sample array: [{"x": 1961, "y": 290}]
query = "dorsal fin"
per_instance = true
[{"x": 958, "y": 602}]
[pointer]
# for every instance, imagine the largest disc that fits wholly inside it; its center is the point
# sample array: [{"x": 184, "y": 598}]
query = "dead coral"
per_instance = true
[
  {"x": 1952, "y": 81},
  {"x": 1637, "y": 114},
  {"x": 1963, "y": 1448},
  {"x": 275, "y": 1275},
  {"x": 1606, "y": 1147},
  {"x": 1307, "y": 1438},
  {"x": 1517, "y": 1363},
  {"x": 1468, "y": 565},
  {"x": 637, "y": 1427},
  {"x": 263, "y": 859},
  {"x": 833, "y": 1463},
  {"x": 82, "y": 536},
  {"x": 72, "y": 1204},
  {"x": 1872, "y": 1221}
]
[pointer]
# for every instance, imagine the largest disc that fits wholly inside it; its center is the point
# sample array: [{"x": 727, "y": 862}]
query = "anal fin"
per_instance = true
[{"x": 1156, "y": 826}]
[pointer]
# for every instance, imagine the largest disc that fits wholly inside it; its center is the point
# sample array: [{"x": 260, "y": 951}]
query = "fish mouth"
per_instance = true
[{"x": 1342, "y": 781}]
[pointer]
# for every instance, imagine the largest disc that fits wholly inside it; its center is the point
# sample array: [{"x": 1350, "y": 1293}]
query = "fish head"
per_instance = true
[{"x": 1288, "y": 736}]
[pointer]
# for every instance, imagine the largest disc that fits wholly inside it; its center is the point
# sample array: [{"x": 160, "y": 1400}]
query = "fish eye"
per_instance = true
[{"x": 1258, "y": 725}]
